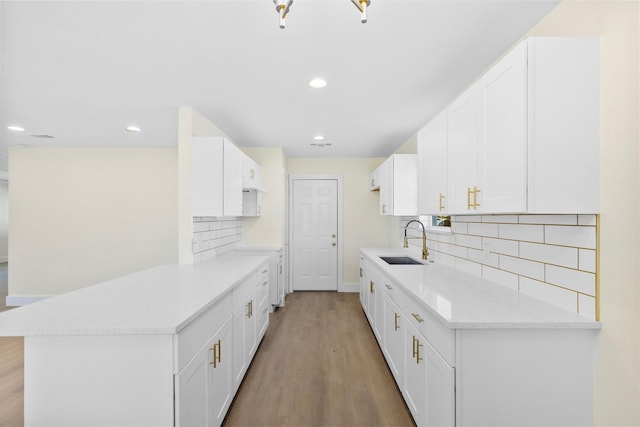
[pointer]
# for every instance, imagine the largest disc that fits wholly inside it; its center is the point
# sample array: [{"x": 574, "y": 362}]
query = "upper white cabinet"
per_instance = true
[
  {"x": 251, "y": 173},
  {"x": 398, "y": 185},
  {"x": 523, "y": 138},
  {"x": 433, "y": 194},
  {"x": 219, "y": 173},
  {"x": 374, "y": 180}
]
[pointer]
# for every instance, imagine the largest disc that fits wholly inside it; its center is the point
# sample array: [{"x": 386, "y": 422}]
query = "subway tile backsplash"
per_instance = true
[
  {"x": 213, "y": 237},
  {"x": 549, "y": 257}
]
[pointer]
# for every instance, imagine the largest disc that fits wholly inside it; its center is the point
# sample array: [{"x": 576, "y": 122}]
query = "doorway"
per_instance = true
[{"x": 316, "y": 230}]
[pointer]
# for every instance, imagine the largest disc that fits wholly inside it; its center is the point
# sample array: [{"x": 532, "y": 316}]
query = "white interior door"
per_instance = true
[{"x": 314, "y": 234}]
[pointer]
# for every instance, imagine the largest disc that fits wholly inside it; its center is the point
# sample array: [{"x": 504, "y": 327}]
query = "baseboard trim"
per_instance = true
[
  {"x": 19, "y": 300},
  {"x": 349, "y": 287}
]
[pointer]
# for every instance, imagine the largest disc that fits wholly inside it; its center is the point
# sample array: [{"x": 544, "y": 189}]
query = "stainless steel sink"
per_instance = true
[{"x": 399, "y": 260}]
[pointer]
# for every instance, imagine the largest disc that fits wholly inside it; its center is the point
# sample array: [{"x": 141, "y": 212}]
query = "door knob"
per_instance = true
[
  {"x": 333, "y": 244},
  {"x": 333, "y": 235}
]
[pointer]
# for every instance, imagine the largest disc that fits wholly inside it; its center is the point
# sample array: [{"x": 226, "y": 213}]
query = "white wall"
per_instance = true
[
  {"x": 80, "y": 216},
  {"x": 362, "y": 225},
  {"x": 4, "y": 221}
]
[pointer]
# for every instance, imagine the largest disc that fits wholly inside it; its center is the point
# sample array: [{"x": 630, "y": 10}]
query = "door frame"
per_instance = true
[{"x": 338, "y": 178}]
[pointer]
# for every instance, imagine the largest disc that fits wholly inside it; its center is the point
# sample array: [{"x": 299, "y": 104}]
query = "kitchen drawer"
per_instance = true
[
  {"x": 263, "y": 289},
  {"x": 263, "y": 274},
  {"x": 439, "y": 336},
  {"x": 197, "y": 333}
]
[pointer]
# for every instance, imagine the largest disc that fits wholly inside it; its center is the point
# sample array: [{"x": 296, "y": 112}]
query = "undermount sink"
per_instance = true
[{"x": 399, "y": 260}]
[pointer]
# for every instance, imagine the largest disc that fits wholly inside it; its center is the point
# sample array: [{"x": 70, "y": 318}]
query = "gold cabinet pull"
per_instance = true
[
  {"x": 414, "y": 347},
  {"x": 252, "y": 174},
  {"x": 360, "y": 271},
  {"x": 469, "y": 198},
  {"x": 396, "y": 316},
  {"x": 371, "y": 286},
  {"x": 217, "y": 350},
  {"x": 475, "y": 197},
  {"x": 418, "y": 358},
  {"x": 250, "y": 309},
  {"x": 441, "y": 202},
  {"x": 417, "y": 317}
]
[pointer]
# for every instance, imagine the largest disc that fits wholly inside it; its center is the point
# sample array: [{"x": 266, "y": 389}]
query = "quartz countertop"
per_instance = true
[
  {"x": 465, "y": 301},
  {"x": 159, "y": 300}
]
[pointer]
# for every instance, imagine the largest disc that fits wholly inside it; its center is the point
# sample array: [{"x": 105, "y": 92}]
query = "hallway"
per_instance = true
[{"x": 319, "y": 365}]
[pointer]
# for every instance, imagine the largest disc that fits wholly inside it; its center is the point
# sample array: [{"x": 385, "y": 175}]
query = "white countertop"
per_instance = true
[
  {"x": 160, "y": 300},
  {"x": 464, "y": 301}
]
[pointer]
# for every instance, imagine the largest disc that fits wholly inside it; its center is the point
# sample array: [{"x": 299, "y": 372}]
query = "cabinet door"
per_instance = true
[
  {"x": 220, "y": 374},
  {"x": 371, "y": 302},
  {"x": 386, "y": 187},
  {"x": 393, "y": 340},
  {"x": 503, "y": 140},
  {"x": 251, "y": 173},
  {"x": 206, "y": 177},
  {"x": 363, "y": 285},
  {"x": 374, "y": 180},
  {"x": 405, "y": 184},
  {"x": 465, "y": 194},
  {"x": 415, "y": 379},
  {"x": 251, "y": 203},
  {"x": 378, "y": 325},
  {"x": 440, "y": 394},
  {"x": 239, "y": 346},
  {"x": 194, "y": 392},
  {"x": 432, "y": 167},
  {"x": 251, "y": 333},
  {"x": 232, "y": 179}
]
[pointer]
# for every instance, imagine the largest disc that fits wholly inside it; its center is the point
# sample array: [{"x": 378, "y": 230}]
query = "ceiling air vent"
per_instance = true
[{"x": 43, "y": 136}]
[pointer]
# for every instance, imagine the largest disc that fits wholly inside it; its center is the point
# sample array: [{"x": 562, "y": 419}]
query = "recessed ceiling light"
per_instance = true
[
  {"x": 317, "y": 83},
  {"x": 319, "y": 138},
  {"x": 15, "y": 128},
  {"x": 133, "y": 128}
]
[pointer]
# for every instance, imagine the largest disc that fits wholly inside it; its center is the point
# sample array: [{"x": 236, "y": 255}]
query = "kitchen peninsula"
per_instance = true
[{"x": 122, "y": 351}]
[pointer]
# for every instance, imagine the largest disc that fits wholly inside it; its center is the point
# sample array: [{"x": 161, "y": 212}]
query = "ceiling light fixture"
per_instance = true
[
  {"x": 317, "y": 83},
  {"x": 319, "y": 138},
  {"x": 131, "y": 128},
  {"x": 16, "y": 128},
  {"x": 282, "y": 7}
]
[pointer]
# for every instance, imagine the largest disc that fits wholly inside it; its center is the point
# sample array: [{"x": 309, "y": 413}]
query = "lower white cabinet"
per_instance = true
[
  {"x": 204, "y": 388},
  {"x": 393, "y": 347}
]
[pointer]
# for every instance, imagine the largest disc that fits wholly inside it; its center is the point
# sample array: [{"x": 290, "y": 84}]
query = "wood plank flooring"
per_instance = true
[
  {"x": 11, "y": 381},
  {"x": 319, "y": 365}
]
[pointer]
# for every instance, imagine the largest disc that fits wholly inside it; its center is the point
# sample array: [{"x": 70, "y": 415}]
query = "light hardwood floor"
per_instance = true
[{"x": 318, "y": 365}]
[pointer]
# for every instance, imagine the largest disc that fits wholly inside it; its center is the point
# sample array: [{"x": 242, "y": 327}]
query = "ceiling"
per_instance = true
[{"x": 81, "y": 71}]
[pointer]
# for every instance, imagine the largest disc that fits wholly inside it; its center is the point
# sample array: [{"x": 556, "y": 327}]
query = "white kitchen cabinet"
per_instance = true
[
  {"x": 415, "y": 381},
  {"x": 205, "y": 386},
  {"x": 463, "y": 145},
  {"x": 374, "y": 180},
  {"x": 364, "y": 284},
  {"x": 393, "y": 348},
  {"x": 371, "y": 301},
  {"x": 379, "y": 314},
  {"x": 216, "y": 177},
  {"x": 251, "y": 173},
  {"x": 207, "y": 180},
  {"x": 432, "y": 167},
  {"x": 524, "y": 137},
  {"x": 398, "y": 177},
  {"x": 232, "y": 179},
  {"x": 251, "y": 202}
]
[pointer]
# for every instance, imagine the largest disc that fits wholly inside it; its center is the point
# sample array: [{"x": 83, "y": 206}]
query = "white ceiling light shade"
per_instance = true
[
  {"x": 317, "y": 83},
  {"x": 282, "y": 7},
  {"x": 16, "y": 128},
  {"x": 319, "y": 138},
  {"x": 132, "y": 128},
  {"x": 362, "y": 7}
]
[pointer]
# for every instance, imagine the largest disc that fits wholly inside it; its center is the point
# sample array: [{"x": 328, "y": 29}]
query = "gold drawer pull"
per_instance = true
[
  {"x": 217, "y": 350},
  {"x": 417, "y": 317},
  {"x": 371, "y": 286},
  {"x": 396, "y": 316}
]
